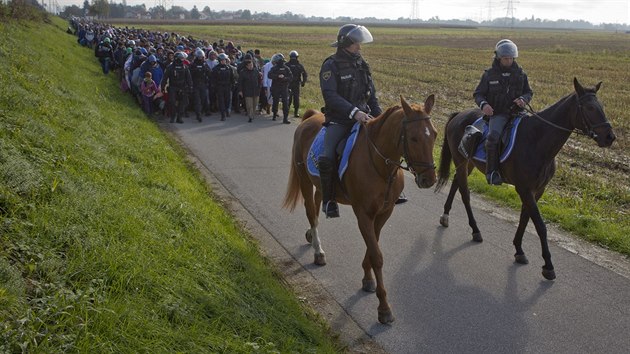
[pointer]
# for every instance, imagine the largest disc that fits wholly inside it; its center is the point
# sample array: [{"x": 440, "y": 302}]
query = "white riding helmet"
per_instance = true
[{"x": 505, "y": 48}]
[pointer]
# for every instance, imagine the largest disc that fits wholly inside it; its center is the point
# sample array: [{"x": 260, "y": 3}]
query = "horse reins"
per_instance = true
[
  {"x": 403, "y": 138},
  {"x": 588, "y": 128}
]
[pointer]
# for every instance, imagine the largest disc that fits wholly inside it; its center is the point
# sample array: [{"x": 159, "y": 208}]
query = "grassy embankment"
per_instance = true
[
  {"x": 109, "y": 240},
  {"x": 590, "y": 194}
]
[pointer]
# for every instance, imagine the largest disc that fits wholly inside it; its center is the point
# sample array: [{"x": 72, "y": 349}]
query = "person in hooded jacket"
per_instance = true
[
  {"x": 105, "y": 54},
  {"x": 249, "y": 84},
  {"x": 299, "y": 80},
  {"x": 153, "y": 66}
]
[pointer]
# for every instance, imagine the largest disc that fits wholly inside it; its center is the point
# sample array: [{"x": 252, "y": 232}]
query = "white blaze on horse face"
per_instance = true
[{"x": 426, "y": 131}]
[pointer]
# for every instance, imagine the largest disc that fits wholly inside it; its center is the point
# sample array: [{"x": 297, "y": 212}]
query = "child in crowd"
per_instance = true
[{"x": 149, "y": 89}]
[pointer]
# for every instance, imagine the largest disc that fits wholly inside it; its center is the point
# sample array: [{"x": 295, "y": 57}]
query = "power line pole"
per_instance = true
[
  {"x": 489, "y": 10},
  {"x": 165, "y": 4},
  {"x": 509, "y": 16},
  {"x": 414, "y": 10}
]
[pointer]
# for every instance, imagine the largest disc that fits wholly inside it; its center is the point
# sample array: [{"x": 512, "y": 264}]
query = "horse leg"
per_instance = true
[
  {"x": 369, "y": 284},
  {"x": 449, "y": 202},
  {"x": 375, "y": 257},
  {"x": 529, "y": 202},
  {"x": 519, "y": 256},
  {"x": 312, "y": 213},
  {"x": 462, "y": 181}
]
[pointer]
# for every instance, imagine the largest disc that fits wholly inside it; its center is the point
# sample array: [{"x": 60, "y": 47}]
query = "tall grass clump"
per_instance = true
[{"x": 109, "y": 240}]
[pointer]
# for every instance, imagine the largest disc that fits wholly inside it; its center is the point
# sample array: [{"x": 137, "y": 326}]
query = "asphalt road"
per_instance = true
[{"x": 448, "y": 294}]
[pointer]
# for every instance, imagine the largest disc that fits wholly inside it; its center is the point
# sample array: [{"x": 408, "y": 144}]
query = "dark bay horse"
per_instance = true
[
  {"x": 532, "y": 162},
  {"x": 372, "y": 182}
]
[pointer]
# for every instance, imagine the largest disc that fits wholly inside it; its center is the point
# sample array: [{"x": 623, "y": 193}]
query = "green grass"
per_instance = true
[{"x": 109, "y": 240}]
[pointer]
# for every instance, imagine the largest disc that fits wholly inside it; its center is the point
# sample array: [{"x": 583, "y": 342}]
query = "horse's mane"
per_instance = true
[
  {"x": 573, "y": 95},
  {"x": 309, "y": 113},
  {"x": 377, "y": 122}
]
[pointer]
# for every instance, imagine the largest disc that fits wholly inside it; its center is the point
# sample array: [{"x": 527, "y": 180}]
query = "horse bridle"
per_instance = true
[
  {"x": 411, "y": 165},
  {"x": 588, "y": 129}
]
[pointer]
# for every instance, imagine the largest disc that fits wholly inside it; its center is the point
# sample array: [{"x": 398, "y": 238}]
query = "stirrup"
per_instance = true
[
  {"x": 494, "y": 178},
  {"x": 331, "y": 209},
  {"x": 401, "y": 199}
]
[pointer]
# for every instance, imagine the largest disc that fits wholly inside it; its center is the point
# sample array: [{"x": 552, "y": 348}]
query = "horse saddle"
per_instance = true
[
  {"x": 344, "y": 148},
  {"x": 474, "y": 139}
]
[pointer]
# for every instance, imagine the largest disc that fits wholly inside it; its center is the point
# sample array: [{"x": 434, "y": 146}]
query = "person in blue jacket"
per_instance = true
[{"x": 349, "y": 96}]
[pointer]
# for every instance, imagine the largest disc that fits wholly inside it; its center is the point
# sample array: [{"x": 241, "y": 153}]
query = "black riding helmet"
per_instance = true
[{"x": 350, "y": 34}]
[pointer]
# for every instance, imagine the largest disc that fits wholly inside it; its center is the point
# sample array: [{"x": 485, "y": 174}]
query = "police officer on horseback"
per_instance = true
[
  {"x": 501, "y": 95},
  {"x": 349, "y": 96}
]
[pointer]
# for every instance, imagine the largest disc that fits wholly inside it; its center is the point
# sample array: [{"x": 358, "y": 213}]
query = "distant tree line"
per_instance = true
[{"x": 104, "y": 9}]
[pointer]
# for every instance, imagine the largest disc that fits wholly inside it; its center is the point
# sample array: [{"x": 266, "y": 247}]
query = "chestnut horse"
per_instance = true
[
  {"x": 531, "y": 164},
  {"x": 372, "y": 182}
]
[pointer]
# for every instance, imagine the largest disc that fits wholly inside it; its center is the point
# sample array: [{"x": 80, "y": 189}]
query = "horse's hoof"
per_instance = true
[
  {"x": 444, "y": 220},
  {"x": 320, "y": 259},
  {"x": 477, "y": 237},
  {"x": 309, "y": 236},
  {"x": 521, "y": 259},
  {"x": 386, "y": 317},
  {"x": 549, "y": 274},
  {"x": 369, "y": 285}
]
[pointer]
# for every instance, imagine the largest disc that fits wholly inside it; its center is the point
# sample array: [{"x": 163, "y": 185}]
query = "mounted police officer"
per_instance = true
[
  {"x": 281, "y": 77},
  {"x": 179, "y": 82},
  {"x": 299, "y": 80},
  {"x": 349, "y": 95},
  {"x": 501, "y": 94},
  {"x": 200, "y": 73}
]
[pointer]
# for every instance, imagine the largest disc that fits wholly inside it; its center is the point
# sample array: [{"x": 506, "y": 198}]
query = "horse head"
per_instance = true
[
  {"x": 418, "y": 138},
  {"x": 593, "y": 121}
]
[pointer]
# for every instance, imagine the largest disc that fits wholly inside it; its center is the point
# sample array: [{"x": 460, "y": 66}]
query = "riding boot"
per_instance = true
[
  {"x": 492, "y": 165},
  {"x": 329, "y": 205},
  {"x": 285, "y": 120}
]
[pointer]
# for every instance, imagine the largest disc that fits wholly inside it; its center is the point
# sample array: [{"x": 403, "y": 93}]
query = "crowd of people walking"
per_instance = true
[{"x": 173, "y": 75}]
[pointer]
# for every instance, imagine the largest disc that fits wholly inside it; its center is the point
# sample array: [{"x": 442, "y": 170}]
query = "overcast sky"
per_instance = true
[{"x": 594, "y": 11}]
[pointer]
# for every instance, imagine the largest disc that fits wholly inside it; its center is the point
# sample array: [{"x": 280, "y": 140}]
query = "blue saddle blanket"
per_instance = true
[
  {"x": 317, "y": 147},
  {"x": 480, "y": 153}
]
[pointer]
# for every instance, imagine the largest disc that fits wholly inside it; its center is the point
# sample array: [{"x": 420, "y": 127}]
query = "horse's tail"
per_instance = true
[
  {"x": 309, "y": 113},
  {"x": 293, "y": 194},
  {"x": 444, "y": 171}
]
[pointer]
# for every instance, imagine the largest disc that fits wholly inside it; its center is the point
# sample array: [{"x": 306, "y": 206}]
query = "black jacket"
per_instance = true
[
  {"x": 299, "y": 73},
  {"x": 280, "y": 69},
  {"x": 249, "y": 82},
  {"x": 200, "y": 72},
  {"x": 178, "y": 77},
  {"x": 500, "y": 87},
  {"x": 346, "y": 84}
]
